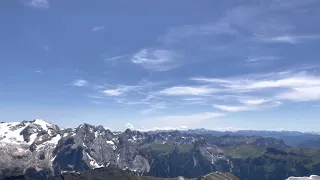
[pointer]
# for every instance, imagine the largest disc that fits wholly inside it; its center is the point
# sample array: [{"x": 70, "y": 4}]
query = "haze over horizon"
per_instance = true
[{"x": 220, "y": 65}]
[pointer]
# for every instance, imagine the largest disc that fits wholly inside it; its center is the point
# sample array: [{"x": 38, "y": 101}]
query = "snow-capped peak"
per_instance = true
[
  {"x": 10, "y": 132},
  {"x": 129, "y": 126},
  {"x": 44, "y": 125},
  {"x": 24, "y": 132}
]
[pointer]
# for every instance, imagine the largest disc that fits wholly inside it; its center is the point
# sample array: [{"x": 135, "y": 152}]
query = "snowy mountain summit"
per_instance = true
[
  {"x": 28, "y": 132},
  {"x": 39, "y": 149}
]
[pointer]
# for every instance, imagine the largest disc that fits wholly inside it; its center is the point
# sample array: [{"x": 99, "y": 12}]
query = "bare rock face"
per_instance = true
[
  {"x": 27, "y": 147},
  {"x": 39, "y": 149}
]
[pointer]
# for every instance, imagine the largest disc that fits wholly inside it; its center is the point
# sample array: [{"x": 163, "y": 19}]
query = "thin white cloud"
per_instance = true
[
  {"x": 115, "y": 58},
  {"x": 188, "y": 90},
  {"x": 227, "y": 129},
  {"x": 39, "y": 71},
  {"x": 290, "y": 39},
  {"x": 280, "y": 4},
  {"x": 156, "y": 60},
  {"x": 262, "y": 91},
  {"x": 135, "y": 102},
  {"x": 255, "y": 19},
  {"x": 95, "y": 97},
  {"x": 168, "y": 128},
  {"x": 95, "y": 102},
  {"x": 146, "y": 111},
  {"x": 287, "y": 82},
  {"x": 210, "y": 80},
  {"x": 301, "y": 94},
  {"x": 80, "y": 83},
  {"x": 179, "y": 128},
  {"x": 232, "y": 108},
  {"x": 260, "y": 58},
  {"x": 39, "y": 4},
  {"x": 153, "y": 107},
  {"x": 185, "y": 120},
  {"x": 119, "y": 90},
  {"x": 177, "y": 34},
  {"x": 290, "y": 80},
  {"x": 97, "y": 28},
  {"x": 254, "y": 101},
  {"x": 252, "y": 105},
  {"x": 193, "y": 99}
]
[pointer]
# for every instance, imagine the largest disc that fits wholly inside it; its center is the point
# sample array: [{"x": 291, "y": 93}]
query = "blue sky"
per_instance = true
[{"x": 223, "y": 65}]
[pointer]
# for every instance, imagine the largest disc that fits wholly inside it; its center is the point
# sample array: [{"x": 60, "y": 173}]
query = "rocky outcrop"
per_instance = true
[{"x": 38, "y": 146}]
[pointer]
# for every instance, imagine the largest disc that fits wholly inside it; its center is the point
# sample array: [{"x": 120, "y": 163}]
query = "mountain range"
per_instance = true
[
  {"x": 292, "y": 138},
  {"x": 38, "y": 150}
]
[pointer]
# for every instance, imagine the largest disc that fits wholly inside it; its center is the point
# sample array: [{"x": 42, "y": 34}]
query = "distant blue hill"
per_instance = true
[{"x": 291, "y": 138}]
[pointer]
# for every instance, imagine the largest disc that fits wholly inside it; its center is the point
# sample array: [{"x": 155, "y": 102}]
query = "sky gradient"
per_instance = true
[{"x": 223, "y": 65}]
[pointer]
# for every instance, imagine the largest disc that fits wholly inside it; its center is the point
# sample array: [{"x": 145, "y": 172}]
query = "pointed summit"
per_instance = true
[{"x": 129, "y": 126}]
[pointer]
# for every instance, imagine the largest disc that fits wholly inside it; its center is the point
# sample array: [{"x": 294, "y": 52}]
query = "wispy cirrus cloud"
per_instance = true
[
  {"x": 187, "y": 90},
  {"x": 156, "y": 59},
  {"x": 232, "y": 108},
  {"x": 119, "y": 90},
  {"x": 293, "y": 86},
  {"x": 279, "y": 4},
  {"x": 254, "y": 101},
  {"x": 168, "y": 128},
  {"x": 253, "y": 105},
  {"x": 177, "y": 34},
  {"x": 152, "y": 107},
  {"x": 95, "y": 102},
  {"x": 95, "y": 97},
  {"x": 97, "y": 28},
  {"x": 290, "y": 39},
  {"x": 261, "y": 58},
  {"x": 80, "y": 83},
  {"x": 311, "y": 93},
  {"x": 183, "y": 120},
  {"x": 38, "y": 4},
  {"x": 277, "y": 80},
  {"x": 240, "y": 21},
  {"x": 115, "y": 58}
]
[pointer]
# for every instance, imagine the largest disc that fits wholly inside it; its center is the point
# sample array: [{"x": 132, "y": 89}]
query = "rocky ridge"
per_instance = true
[{"x": 40, "y": 149}]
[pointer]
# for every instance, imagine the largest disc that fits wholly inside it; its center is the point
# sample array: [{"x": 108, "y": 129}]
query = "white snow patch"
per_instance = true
[
  {"x": 42, "y": 123},
  {"x": 7, "y": 135},
  {"x": 32, "y": 138},
  {"x": 129, "y": 126},
  {"x": 114, "y": 147},
  {"x": 110, "y": 142},
  {"x": 53, "y": 158},
  {"x": 55, "y": 139},
  {"x": 118, "y": 157},
  {"x": 315, "y": 177},
  {"x": 93, "y": 162},
  {"x": 116, "y": 133}
]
